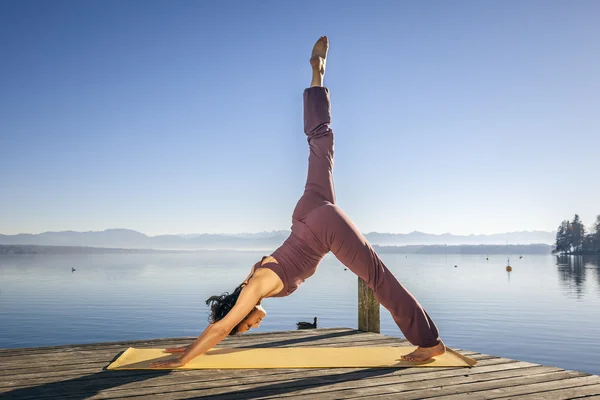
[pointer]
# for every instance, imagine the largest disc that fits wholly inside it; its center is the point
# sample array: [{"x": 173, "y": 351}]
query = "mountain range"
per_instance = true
[{"x": 130, "y": 239}]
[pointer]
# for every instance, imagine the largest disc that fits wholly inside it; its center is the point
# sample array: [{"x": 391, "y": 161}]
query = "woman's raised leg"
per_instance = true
[{"x": 319, "y": 187}]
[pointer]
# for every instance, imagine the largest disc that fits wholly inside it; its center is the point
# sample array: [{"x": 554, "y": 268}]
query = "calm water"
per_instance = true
[{"x": 545, "y": 311}]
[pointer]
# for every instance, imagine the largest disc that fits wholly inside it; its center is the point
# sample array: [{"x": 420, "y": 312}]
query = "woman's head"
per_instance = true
[{"x": 221, "y": 305}]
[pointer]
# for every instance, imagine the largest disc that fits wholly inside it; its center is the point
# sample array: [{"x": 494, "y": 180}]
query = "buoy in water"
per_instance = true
[{"x": 508, "y": 268}]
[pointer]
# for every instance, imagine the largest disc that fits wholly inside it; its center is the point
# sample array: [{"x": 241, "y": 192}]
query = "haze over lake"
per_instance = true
[{"x": 541, "y": 312}]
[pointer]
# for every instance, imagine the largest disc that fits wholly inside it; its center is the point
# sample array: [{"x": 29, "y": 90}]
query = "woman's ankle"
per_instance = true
[{"x": 317, "y": 79}]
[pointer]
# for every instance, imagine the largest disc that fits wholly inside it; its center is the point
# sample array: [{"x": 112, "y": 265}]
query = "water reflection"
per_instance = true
[{"x": 572, "y": 272}]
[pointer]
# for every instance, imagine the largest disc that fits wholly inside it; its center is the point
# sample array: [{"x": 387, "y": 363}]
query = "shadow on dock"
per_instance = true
[
  {"x": 82, "y": 387},
  {"x": 277, "y": 389},
  {"x": 311, "y": 338}
]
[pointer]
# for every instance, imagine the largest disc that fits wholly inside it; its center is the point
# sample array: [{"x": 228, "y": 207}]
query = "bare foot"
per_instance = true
[
  {"x": 425, "y": 353},
  {"x": 318, "y": 58}
]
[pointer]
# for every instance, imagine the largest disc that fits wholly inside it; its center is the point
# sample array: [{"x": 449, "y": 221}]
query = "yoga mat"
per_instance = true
[{"x": 292, "y": 357}]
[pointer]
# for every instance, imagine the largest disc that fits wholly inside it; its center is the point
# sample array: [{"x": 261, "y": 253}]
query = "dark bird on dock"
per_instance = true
[{"x": 307, "y": 325}]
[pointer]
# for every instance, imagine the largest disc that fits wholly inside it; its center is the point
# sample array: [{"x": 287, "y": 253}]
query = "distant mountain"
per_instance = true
[
  {"x": 129, "y": 239},
  {"x": 35, "y": 249},
  {"x": 19, "y": 249},
  {"x": 241, "y": 235},
  {"x": 420, "y": 238},
  {"x": 489, "y": 249}
]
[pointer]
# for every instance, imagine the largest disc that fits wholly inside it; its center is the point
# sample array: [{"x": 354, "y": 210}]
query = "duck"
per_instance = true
[
  {"x": 307, "y": 325},
  {"x": 73, "y": 269},
  {"x": 345, "y": 269}
]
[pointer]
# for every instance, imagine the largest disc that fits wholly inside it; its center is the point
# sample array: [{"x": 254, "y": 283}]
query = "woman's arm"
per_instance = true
[{"x": 215, "y": 333}]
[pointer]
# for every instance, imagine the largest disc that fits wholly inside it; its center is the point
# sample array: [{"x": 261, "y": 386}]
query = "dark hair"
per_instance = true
[{"x": 221, "y": 305}]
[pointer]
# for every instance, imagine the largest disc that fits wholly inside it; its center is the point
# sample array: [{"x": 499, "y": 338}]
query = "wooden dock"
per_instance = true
[{"x": 78, "y": 372}]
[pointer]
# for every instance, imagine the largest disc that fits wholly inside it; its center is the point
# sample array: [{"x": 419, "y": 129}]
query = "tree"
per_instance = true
[
  {"x": 588, "y": 243},
  {"x": 563, "y": 237},
  {"x": 596, "y": 231},
  {"x": 578, "y": 233}
]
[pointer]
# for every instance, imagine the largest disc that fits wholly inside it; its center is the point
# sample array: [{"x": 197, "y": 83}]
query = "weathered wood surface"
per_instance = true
[
  {"x": 77, "y": 372},
  {"x": 368, "y": 309}
]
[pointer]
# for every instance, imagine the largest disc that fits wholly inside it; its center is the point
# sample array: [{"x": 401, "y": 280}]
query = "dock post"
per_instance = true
[{"x": 368, "y": 309}]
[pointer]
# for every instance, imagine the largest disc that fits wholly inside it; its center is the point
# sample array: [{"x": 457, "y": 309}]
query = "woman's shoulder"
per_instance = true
[
  {"x": 268, "y": 259},
  {"x": 267, "y": 279}
]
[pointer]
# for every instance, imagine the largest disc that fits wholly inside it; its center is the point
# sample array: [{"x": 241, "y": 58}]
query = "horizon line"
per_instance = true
[{"x": 271, "y": 231}]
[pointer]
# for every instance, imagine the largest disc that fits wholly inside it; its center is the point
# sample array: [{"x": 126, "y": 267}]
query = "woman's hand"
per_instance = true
[{"x": 175, "y": 363}]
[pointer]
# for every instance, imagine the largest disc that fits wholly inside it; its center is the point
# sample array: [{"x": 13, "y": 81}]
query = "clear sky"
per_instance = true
[{"x": 186, "y": 116}]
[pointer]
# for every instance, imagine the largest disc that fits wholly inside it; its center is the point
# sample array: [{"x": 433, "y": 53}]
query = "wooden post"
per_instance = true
[{"x": 368, "y": 309}]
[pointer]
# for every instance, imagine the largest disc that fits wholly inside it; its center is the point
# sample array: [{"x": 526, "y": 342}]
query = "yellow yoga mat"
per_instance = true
[{"x": 292, "y": 357}]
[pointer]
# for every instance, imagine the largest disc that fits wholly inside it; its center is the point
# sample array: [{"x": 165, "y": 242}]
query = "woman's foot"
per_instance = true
[
  {"x": 425, "y": 353},
  {"x": 318, "y": 60}
]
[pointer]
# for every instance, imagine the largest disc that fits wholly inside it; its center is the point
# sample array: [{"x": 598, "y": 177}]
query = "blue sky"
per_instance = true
[{"x": 186, "y": 116}]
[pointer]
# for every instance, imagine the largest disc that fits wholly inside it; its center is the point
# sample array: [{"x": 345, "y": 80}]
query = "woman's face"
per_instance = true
[{"x": 252, "y": 320}]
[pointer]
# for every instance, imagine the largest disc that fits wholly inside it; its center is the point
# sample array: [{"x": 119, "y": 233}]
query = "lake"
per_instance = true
[{"x": 547, "y": 310}]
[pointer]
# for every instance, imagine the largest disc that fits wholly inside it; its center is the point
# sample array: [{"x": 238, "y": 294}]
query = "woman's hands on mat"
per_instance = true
[{"x": 175, "y": 363}]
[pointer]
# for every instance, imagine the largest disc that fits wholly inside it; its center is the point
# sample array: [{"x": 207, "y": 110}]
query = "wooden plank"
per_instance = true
[
  {"x": 38, "y": 377},
  {"x": 409, "y": 388},
  {"x": 488, "y": 390},
  {"x": 222, "y": 376},
  {"x": 541, "y": 390},
  {"x": 75, "y": 372},
  {"x": 26, "y": 377},
  {"x": 266, "y": 336},
  {"x": 56, "y": 372},
  {"x": 99, "y": 357},
  {"x": 247, "y": 341},
  {"x": 124, "y": 385},
  {"x": 587, "y": 392},
  {"x": 301, "y": 339},
  {"x": 279, "y": 389},
  {"x": 11, "y": 365},
  {"x": 368, "y": 309},
  {"x": 587, "y": 397}
]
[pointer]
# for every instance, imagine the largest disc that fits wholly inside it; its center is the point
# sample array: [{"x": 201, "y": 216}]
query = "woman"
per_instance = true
[{"x": 318, "y": 226}]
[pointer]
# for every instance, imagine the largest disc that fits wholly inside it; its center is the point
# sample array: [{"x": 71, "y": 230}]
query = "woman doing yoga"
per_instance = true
[{"x": 318, "y": 227}]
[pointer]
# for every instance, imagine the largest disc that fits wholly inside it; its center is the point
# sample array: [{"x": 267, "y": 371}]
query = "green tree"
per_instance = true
[
  {"x": 588, "y": 245},
  {"x": 596, "y": 231},
  {"x": 577, "y": 233},
  {"x": 563, "y": 237}
]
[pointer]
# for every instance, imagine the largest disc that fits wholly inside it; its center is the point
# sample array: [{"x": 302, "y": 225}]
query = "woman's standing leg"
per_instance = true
[
  {"x": 319, "y": 187},
  {"x": 338, "y": 233}
]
